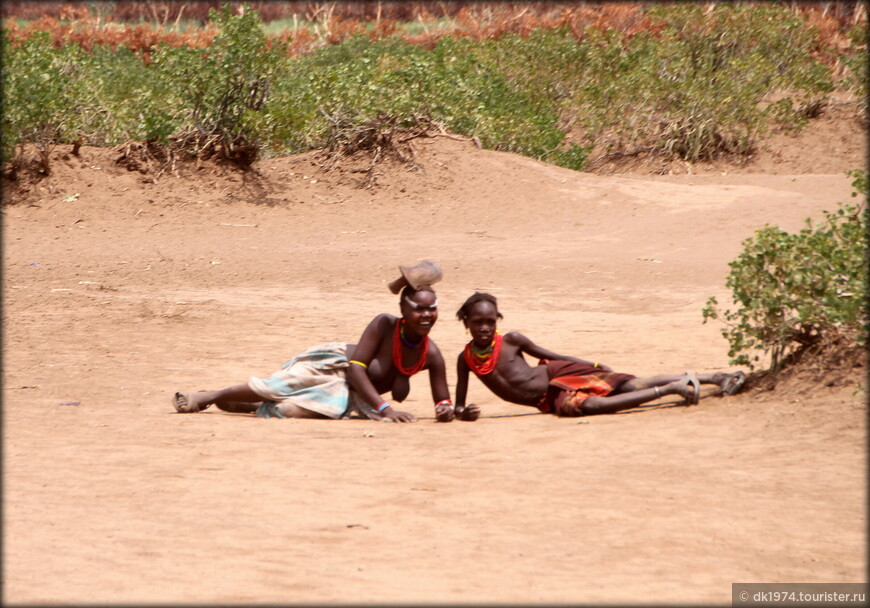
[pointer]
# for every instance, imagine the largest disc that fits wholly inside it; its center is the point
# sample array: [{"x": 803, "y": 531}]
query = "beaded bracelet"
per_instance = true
[
  {"x": 444, "y": 402},
  {"x": 384, "y": 405}
]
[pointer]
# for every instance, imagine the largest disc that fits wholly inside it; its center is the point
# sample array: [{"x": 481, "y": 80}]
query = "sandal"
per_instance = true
[
  {"x": 734, "y": 383},
  {"x": 692, "y": 380}
]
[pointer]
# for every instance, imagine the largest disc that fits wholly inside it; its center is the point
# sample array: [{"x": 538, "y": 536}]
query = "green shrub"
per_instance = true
[
  {"x": 218, "y": 94},
  {"x": 125, "y": 99},
  {"x": 41, "y": 87},
  {"x": 702, "y": 80},
  {"x": 202, "y": 98},
  {"x": 856, "y": 63},
  {"x": 704, "y": 85},
  {"x": 448, "y": 85},
  {"x": 793, "y": 289},
  {"x": 357, "y": 78}
]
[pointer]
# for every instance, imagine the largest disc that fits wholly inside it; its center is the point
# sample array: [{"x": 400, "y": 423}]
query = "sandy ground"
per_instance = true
[{"x": 119, "y": 291}]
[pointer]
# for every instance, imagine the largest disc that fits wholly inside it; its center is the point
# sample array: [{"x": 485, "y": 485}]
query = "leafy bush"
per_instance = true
[
  {"x": 40, "y": 88},
  {"x": 687, "y": 80},
  {"x": 856, "y": 62},
  {"x": 702, "y": 81},
  {"x": 794, "y": 289},
  {"x": 218, "y": 94},
  {"x": 703, "y": 85},
  {"x": 447, "y": 85},
  {"x": 124, "y": 100}
]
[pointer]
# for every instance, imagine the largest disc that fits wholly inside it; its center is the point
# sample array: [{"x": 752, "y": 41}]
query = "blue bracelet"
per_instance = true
[{"x": 383, "y": 406}]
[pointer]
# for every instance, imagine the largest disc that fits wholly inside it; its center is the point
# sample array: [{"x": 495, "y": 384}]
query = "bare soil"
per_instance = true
[{"x": 121, "y": 287}]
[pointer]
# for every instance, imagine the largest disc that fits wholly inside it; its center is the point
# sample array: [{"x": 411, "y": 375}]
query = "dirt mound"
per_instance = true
[
  {"x": 835, "y": 361},
  {"x": 836, "y": 138}
]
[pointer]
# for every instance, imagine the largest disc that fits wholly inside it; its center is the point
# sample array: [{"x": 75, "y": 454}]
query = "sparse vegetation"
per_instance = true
[
  {"x": 794, "y": 292},
  {"x": 380, "y": 138},
  {"x": 559, "y": 83},
  {"x": 216, "y": 96}
]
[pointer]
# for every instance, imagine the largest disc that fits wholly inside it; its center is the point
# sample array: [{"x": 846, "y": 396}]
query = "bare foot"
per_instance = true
[{"x": 190, "y": 403}]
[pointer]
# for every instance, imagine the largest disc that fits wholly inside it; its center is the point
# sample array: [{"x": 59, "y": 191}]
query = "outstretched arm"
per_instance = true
[
  {"x": 461, "y": 410},
  {"x": 438, "y": 384},
  {"x": 532, "y": 349},
  {"x": 363, "y": 354}
]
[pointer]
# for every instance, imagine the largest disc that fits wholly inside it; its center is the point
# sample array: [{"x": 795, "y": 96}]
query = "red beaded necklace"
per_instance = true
[
  {"x": 397, "y": 351},
  {"x": 483, "y": 363}
]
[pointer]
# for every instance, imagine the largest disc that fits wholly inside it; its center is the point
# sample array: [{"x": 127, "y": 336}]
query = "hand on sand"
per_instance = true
[
  {"x": 468, "y": 412},
  {"x": 444, "y": 413},
  {"x": 392, "y": 415}
]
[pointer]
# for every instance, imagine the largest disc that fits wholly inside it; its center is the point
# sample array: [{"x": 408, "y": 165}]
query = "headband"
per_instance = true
[{"x": 416, "y": 306}]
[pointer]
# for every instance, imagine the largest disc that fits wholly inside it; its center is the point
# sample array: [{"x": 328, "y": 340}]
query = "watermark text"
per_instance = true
[{"x": 799, "y": 594}]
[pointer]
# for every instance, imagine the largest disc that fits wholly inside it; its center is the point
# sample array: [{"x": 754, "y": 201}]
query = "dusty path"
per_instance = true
[{"x": 118, "y": 292}]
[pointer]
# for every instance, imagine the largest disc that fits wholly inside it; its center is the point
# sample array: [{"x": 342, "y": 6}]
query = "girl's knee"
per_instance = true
[
  {"x": 629, "y": 386},
  {"x": 591, "y": 405},
  {"x": 291, "y": 410}
]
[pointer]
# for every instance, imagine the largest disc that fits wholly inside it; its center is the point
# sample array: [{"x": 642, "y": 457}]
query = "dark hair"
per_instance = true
[
  {"x": 476, "y": 297},
  {"x": 409, "y": 292}
]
